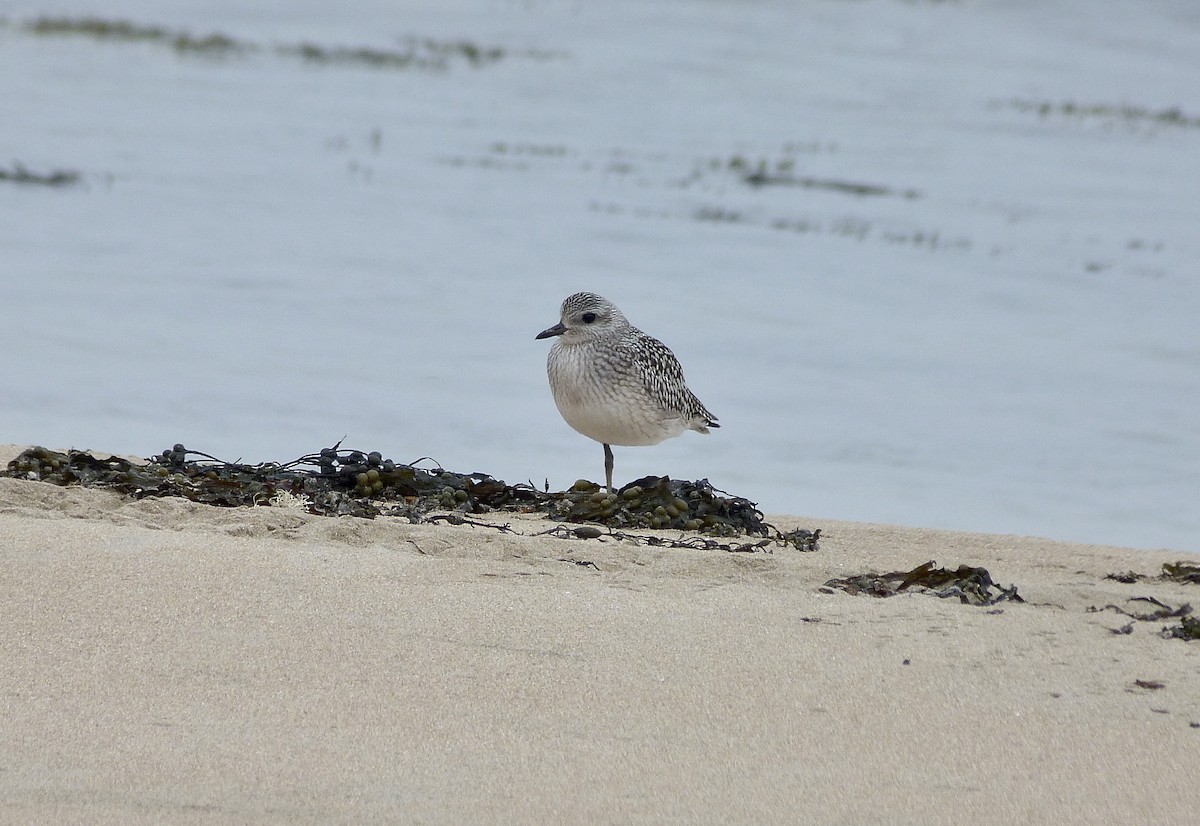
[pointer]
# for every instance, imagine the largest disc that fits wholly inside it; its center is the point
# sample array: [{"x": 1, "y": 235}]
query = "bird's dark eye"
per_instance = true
[{"x": 588, "y": 318}]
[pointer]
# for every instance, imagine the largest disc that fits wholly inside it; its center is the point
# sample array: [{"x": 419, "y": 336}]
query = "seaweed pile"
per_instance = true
[
  {"x": 1188, "y": 628},
  {"x": 973, "y": 586},
  {"x": 801, "y": 539},
  {"x": 1182, "y": 572},
  {"x": 340, "y": 482},
  {"x": 660, "y": 502}
]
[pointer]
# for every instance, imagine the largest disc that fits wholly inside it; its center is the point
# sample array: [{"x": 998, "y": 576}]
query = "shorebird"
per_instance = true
[{"x": 615, "y": 384}]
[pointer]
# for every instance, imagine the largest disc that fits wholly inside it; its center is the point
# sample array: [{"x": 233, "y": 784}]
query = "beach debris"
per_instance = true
[
  {"x": 1184, "y": 572},
  {"x": 970, "y": 585},
  {"x": 333, "y": 482},
  {"x": 582, "y": 563},
  {"x": 1181, "y": 572},
  {"x": 660, "y": 502},
  {"x": 801, "y": 539},
  {"x": 1188, "y": 629},
  {"x": 454, "y": 518},
  {"x": 1163, "y": 611},
  {"x": 1150, "y": 685},
  {"x": 341, "y": 482}
]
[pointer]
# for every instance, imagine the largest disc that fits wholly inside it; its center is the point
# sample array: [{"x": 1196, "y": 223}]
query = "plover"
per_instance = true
[{"x": 615, "y": 384}]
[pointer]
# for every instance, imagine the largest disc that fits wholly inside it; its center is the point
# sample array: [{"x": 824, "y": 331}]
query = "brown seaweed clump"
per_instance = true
[
  {"x": 333, "y": 482},
  {"x": 973, "y": 586},
  {"x": 339, "y": 482},
  {"x": 1188, "y": 629},
  {"x": 1157, "y": 610},
  {"x": 1183, "y": 572}
]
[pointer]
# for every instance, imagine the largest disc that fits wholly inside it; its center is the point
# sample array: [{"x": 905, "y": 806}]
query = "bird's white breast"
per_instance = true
[{"x": 605, "y": 402}]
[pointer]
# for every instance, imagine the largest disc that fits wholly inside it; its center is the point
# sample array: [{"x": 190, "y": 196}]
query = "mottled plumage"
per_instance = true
[{"x": 615, "y": 384}]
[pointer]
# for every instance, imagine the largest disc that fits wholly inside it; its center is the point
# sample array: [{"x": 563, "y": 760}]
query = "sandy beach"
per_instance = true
[{"x": 167, "y": 662}]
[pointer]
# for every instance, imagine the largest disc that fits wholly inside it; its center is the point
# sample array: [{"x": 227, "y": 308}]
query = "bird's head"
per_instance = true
[{"x": 585, "y": 317}]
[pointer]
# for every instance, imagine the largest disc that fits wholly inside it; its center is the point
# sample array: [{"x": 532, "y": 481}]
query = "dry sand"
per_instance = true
[{"x": 165, "y": 662}]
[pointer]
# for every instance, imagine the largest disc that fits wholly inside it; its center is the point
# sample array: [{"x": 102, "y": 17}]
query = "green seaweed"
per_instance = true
[
  {"x": 18, "y": 174},
  {"x": 213, "y": 45},
  {"x": 372, "y": 58},
  {"x": 780, "y": 171},
  {"x": 761, "y": 177},
  {"x": 125, "y": 31},
  {"x": 1171, "y": 116},
  {"x": 416, "y": 53},
  {"x": 97, "y": 28}
]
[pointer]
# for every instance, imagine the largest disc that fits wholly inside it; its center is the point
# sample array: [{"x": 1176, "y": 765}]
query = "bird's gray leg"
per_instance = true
[{"x": 608, "y": 466}]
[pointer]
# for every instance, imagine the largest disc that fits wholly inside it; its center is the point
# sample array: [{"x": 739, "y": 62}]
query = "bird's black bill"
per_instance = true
[{"x": 556, "y": 330}]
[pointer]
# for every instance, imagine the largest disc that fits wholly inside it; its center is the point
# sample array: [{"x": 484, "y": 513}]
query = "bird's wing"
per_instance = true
[{"x": 662, "y": 376}]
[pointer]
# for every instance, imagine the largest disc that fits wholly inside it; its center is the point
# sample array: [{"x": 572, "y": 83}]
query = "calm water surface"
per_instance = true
[{"x": 945, "y": 308}]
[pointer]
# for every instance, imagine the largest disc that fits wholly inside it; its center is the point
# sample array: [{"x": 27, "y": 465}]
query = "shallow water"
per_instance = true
[{"x": 267, "y": 254}]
